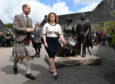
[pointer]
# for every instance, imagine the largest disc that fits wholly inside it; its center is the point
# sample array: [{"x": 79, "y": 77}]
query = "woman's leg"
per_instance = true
[{"x": 52, "y": 65}]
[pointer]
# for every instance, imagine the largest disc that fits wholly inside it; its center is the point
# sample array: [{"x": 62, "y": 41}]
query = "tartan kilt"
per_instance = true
[{"x": 20, "y": 49}]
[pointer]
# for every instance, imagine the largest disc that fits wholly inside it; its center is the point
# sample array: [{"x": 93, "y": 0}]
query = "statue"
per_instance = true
[
  {"x": 67, "y": 50},
  {"x": 68, "y": 29},
  {"x": 84, "y": 35}
]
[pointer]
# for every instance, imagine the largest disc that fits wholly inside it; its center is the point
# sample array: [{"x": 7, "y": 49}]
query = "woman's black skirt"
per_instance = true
[{"x": 52, "y": 46}]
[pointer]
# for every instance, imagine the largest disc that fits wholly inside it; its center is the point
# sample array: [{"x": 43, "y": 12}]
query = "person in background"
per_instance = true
[
  {"x": 12, "y": 38},
  {"x": 37, "y": 39},
  {"x": 8, "y": 39},
  {"x": 103, "y": 37},
  {"x": 108, "y": 38},
  {"x": 2, "y": 39},
  {"x": 99, "y": 37},
  {"x": 51, "y": 33}
]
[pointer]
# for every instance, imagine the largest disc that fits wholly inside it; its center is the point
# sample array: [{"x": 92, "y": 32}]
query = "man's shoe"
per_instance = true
[
  {"x": 30, "y": 76},
  {"x": 37, "y": 55},
  {"x": 15, "y": 70}
]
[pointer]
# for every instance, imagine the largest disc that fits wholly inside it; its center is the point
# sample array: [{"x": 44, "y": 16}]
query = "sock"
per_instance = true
[{"x": 28, "y": 66}]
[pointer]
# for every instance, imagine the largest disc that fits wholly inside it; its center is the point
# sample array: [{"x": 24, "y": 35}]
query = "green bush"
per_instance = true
[
  {"x": 9, "y": 25},
  {"x": 112, "y": 35}
]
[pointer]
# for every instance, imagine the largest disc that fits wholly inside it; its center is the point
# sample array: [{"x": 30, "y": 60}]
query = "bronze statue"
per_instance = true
[
  {"x": 68, "y": 29},
  {"x": 83, "y": 35},
  {"x": 67, "y": 50}
]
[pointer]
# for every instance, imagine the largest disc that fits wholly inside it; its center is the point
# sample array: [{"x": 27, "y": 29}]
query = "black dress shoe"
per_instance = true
[
  {"x": 30, "y": 76},
  {"x": 15, "y": 70},
  {"x": 37, "y": 55},
  {"x": 55, "y": 77}
]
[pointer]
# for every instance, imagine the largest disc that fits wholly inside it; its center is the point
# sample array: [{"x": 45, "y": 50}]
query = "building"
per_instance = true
[
  {"x": 2, "y": 27},
  {"x": 102, "y": 13}
]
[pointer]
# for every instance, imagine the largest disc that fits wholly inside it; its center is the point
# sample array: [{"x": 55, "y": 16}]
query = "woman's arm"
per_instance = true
[
  {"x": 62, "y": 38},
  {"x": 44, "y": 39}
]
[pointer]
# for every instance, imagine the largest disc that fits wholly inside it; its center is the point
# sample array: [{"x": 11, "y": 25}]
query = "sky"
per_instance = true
[{"x": 40, "y": 8}]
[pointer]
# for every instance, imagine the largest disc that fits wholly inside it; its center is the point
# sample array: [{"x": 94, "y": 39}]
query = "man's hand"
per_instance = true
[
  {"x": 37, "y": 42},
  {"x": 30, "y": 30}
]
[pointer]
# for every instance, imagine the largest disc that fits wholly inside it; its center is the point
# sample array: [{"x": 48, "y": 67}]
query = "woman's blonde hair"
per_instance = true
[{"x": 56, "y": 17}]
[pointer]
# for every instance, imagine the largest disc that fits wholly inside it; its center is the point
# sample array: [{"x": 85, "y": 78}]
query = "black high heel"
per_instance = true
[
  {"x": 51, "y": 72},
  {"x": 55, "y": 77}
]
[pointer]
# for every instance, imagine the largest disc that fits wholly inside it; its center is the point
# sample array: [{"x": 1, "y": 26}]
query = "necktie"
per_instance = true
[
  {"x": 36, "y": 29},
  {"x": 27, "y": 21}
]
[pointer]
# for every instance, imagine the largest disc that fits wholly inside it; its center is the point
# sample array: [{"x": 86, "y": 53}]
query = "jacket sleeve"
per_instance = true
[
  {"x": 40, "y": 34},
  {"x": 16, "y": 25}
]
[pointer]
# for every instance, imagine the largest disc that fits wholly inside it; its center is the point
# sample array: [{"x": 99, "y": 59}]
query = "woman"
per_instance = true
[{"x": 51, "y": 33}]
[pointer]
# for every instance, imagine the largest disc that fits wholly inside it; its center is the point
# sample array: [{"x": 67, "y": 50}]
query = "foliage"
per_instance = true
[
  {"x": 112, "y": 36},
  {"x": 9, "y": 25},
  {"x": 109, "y": 27},
  {"x": 109, "y": 24}
]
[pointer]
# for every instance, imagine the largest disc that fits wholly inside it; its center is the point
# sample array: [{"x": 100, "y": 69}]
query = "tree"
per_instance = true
[
  {"x": 109, "y": 24},
  {"x": 9, "y": 25},
  {"x": 114, "y": 13}
]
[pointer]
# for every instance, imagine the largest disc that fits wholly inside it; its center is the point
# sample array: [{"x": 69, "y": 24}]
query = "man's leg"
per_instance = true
[
  {"x": 28, "y": 69},
  {"x": 38, "y": 49},
  {"x": 28, "y": 66},
  {"x": 15, "y": 65},
  {"x": 38, "y": 52}
]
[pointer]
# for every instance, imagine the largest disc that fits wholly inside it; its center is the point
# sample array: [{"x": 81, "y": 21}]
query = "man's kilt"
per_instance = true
[{"x": 20, "y": 49}]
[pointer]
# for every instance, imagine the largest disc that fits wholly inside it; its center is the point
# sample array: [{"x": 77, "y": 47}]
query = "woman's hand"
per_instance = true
[
  {"x": 46, "y": 45},
  {"x": 64, "y": 43}
]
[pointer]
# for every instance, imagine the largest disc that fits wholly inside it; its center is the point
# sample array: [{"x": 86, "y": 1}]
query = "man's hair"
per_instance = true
[
  {"x": 37, "y": 23},
  {"x": 24, "y": 6}
]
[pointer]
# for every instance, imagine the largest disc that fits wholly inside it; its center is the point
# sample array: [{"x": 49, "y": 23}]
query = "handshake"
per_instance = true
[{"x": 30, "y": 30}]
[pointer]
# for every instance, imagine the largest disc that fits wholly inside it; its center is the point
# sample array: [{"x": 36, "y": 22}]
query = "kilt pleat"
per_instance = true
[{"x": 20, "y": 49}]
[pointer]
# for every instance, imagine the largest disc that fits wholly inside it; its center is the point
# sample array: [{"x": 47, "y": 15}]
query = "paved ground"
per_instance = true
[{"x": 101, "y": 74}]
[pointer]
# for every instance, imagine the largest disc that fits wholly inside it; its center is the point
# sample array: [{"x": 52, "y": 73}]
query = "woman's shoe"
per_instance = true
[
  {"x": 51, "y": 72},
  {"x": 55, "y": 77}
]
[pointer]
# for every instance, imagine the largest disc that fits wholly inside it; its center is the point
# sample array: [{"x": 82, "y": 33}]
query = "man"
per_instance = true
[
  {"x": 12, "y": 38},
  {"x": 84, "y": 35},
  {"x": 37, "y": 39},
  {"x": 2, "y": 38},
  {"x": 8, "y": 39},
  {"x": 23, "y": 49}
]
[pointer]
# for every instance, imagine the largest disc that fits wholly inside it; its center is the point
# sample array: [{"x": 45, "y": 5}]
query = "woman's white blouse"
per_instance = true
[{"x": 52, "y": 30}]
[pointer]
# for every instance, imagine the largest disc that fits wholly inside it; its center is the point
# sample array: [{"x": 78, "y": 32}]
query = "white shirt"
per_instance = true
[
  {"x": 24, "y": 15},
  {"x": 52, "y": 30}
]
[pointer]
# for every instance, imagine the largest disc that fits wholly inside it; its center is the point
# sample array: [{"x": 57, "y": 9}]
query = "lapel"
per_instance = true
[{"x": 23, "y": 19}]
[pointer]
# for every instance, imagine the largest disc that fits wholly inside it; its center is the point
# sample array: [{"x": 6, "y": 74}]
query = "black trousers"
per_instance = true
[{"x": 37, "y": 47}]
